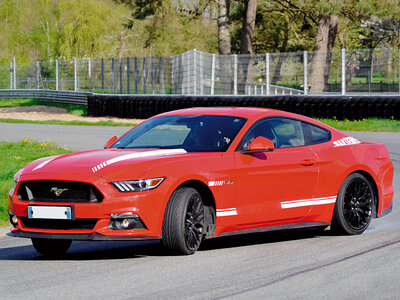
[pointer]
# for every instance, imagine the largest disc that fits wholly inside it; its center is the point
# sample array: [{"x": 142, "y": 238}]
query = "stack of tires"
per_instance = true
[{"x": 339, "y": 107}]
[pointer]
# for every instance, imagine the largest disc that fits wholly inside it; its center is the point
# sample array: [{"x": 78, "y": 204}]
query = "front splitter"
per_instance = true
[{"x": 77, "y": 237}]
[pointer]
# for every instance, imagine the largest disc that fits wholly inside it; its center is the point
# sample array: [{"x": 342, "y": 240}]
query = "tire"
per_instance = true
[
  {"x": 183, "y": 226},
  {"x": 353, "y": 209},
  {"x": 51, "y": 248}
]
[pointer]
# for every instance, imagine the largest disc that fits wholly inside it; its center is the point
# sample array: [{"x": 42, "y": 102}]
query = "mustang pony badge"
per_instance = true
[{"x": 56, "y": 191}]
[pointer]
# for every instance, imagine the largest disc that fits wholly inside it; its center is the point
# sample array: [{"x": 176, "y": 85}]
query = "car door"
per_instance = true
[{"x": 273, "y": 187}]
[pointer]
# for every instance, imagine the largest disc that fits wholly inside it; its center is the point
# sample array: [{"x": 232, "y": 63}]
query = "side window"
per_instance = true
[
  {"x": 316, "y": 135},
  {"x": 262, "y": 128},
  {"x": 289, "y": 132}
]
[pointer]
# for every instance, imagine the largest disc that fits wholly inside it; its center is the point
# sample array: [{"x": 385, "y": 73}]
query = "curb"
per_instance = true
[{"x": 4, "y": 231}]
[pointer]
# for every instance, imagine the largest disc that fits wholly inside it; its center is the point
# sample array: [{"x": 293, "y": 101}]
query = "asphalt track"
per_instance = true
[{"x": 301, "y": 264}]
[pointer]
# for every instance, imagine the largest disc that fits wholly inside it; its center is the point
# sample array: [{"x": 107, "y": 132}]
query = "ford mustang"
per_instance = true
[{"x": 198, "y": 173}]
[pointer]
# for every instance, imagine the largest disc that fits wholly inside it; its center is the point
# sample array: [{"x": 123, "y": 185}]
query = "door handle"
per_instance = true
[{"x": 307, "y": 162}]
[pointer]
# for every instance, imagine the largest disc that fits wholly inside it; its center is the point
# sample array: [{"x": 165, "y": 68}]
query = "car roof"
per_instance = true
[
  {"x": 245, "y": 112},
  {"x": 250, "y": 113}
]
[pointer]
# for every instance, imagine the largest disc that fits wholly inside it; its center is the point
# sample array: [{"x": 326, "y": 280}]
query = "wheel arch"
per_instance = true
[
  {"x": 208, "y": 202},
  {"x": 371, "y": 180}
]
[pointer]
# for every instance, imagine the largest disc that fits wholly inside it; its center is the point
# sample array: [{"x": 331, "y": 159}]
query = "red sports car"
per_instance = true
[{"x": 198, "y": 173}]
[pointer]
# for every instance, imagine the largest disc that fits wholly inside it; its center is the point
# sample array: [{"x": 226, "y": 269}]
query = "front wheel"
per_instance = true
[
  {"x": 183, "y": 226},
  {"x": 353, "y": 209},
  {"x": 51, "y": 248}
]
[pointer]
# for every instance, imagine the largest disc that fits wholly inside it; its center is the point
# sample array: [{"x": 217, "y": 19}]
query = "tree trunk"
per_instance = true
[
  {"x": 321, "y": 59},
  {"x": 121, "y": 43},
  {"x": 224, "y": 35},
  {"x": 283, "y": 48},
  {"x": 246, "y": 46},
  {"x": 224, "y": 45},
  {"x": 249, "y": 21},
  {"x": 333, "y": 28}
]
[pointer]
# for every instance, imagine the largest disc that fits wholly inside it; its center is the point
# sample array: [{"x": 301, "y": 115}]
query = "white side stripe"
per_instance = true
[
  {"x": 215, "y": 183},
  {"x": 308, "y": 202},
  {"x": 223, "y": 212}
]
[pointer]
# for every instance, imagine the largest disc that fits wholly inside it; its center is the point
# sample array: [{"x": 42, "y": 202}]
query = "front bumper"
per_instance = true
[{"x": 149, "y": 206}]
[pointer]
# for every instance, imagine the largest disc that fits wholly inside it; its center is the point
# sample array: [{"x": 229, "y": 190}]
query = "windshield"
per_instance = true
[{"x": 194, "y": 133}]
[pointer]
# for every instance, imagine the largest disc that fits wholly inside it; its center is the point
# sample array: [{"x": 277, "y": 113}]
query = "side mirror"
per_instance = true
[
  {"x": 260, "y": 144},
  {"x": 110, "y": 142}
]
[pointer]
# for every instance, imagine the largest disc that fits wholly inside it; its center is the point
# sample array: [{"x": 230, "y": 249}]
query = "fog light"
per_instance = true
[
  {"x": 13, "y": 219},
  {"x": 125, "y": 223}
]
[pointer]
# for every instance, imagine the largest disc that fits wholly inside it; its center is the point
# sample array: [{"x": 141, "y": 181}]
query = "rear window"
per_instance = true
[{"x": 315, "y": 134}]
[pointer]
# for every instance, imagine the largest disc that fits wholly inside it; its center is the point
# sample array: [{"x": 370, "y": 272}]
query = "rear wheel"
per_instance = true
[
  {"x": 183, "y": 226},
  {"x": 353, "y": 209},
  {"x": 51, "y": 248}
]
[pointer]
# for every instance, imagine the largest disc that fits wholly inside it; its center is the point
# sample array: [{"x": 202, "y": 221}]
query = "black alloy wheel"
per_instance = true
[
  {"x": 194, "y": 222},
  {"x": 183, "y": 226},
  {"x": 353, "y": 209}
]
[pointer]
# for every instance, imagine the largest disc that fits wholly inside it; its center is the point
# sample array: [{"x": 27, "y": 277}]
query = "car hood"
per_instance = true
[{"x": 109, "y": 163}]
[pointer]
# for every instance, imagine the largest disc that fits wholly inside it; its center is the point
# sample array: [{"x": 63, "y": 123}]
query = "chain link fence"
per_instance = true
[{"x": 198, "y": 73}]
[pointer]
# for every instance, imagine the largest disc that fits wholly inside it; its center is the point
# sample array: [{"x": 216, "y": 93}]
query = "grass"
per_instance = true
[
  {"x": 78, "y": 110},
  {"x": 375, "y": 125},
  {"x": 14, "y": 156},
  {"x": 4, "y": 223}
]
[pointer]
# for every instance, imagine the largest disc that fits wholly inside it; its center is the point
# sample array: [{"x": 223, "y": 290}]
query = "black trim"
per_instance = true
[
  {"x": 275, "y": 228},
  {"x": 306, "y": 137},
  {"x": 77, "y": 237},
  {"x": 386, "y": 212}
]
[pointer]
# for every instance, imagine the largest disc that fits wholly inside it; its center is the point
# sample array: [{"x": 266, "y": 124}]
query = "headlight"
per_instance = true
[{"x": 137, "y": 185}]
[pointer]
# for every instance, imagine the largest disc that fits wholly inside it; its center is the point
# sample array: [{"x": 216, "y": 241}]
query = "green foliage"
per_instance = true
[
  {"x": 87, "y": 28},
  {"x": 14, "y": 156},
  {"x": 373, "y": 125},
  {"x": 46, "y": 30}
]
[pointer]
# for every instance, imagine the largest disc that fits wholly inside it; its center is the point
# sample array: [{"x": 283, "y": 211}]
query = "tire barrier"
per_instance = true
[{"x": 332, "y": 107}]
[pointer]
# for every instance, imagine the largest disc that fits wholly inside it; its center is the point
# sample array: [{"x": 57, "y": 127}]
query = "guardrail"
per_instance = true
[
  {"x": 263, "y": 89},
  {"x": 68, "y": 97}
]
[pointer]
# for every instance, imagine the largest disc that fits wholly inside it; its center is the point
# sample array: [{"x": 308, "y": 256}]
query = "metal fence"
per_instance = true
[{"x": 198, "y": 73}]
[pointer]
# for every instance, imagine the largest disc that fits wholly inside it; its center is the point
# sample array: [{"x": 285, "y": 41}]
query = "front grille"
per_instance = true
[
  {"x": 59, "y": 191},
  {"x": 79, "y": 224}
]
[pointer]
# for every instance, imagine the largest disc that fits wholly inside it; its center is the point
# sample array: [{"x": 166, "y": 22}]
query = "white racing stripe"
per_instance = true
[
  {"x": 308, "y": 202},
  {"x": 162, "y": 152},
  {"x": 44, "y": 163},
  {"x": 223, "y": 212}
]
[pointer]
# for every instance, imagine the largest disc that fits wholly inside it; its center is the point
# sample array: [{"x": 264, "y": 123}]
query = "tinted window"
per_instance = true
[
  {"x": 289, "y": 132},
  {"x": 194, "y": 133},
  {"x": 282, "y": 132},
  {"x": 315, "y": 134},
  {"x": 262, "y": 128}
]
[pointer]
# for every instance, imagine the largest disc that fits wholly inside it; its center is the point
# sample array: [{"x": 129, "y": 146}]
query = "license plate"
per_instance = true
[{"x": 49, "y": 212}]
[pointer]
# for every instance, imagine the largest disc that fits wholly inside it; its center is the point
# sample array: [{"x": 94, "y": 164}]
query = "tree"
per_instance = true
[
  {"x": 224, "y": 35},
  {"x": 321, "y": 59},
  {"x": 249, "y": 21}
]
